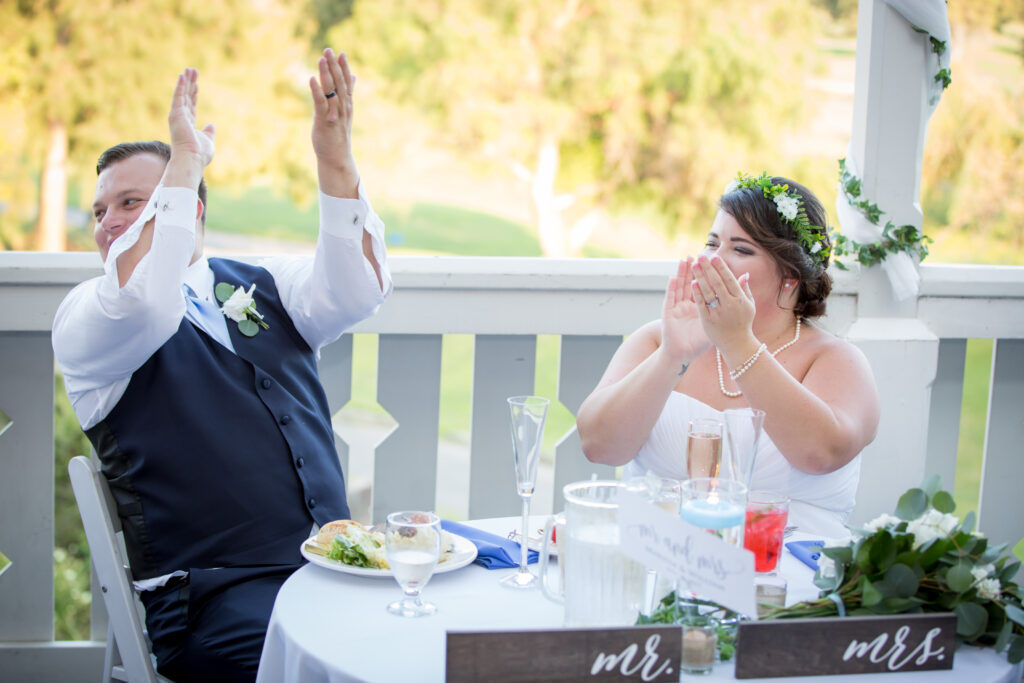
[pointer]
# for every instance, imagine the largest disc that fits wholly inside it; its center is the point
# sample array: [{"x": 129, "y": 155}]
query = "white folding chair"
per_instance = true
[{"x": 128, "y": 657}]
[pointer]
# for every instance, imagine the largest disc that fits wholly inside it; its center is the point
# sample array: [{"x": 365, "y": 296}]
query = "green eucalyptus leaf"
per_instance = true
[
  {"x": 967, "y": 523},
  {"x": 912, "y": 504},
  {"x": 1003, "y": 639},
  {"x": 900, "y": 606},
  {"x": 1015, "y": 614},
  {"x": 1009, "y": 571},
  {"x": 223, "y": 291},
  {"x": 248, "y": 328},
  {"x": 1016, "y": 651},
  {"x": 930, "y": 553},
  {"x": 931, "y": 485},
  {"x": 959, "y": 578},
  {"x": 883, "y": 551},
  {"x": 971, "y": 620},
  {"x": 870, "y": 595},
  {"x": 943, "y": 502},
  {"x": 901, "y": 580}
]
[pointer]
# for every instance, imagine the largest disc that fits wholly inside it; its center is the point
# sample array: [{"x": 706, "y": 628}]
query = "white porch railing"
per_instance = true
[{"x": 918, "y": 358}]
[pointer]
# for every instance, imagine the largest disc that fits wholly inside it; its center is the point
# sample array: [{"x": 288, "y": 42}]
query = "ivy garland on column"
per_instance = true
[
  {"x": 904, "y": 238},
  {"x": 895, "y": 239}
]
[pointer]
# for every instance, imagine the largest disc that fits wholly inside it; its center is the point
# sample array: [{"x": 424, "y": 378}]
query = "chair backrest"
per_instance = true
[{"x": 99, "y": 517}]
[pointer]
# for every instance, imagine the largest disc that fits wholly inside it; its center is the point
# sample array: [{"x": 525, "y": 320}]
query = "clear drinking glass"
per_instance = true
[
  {"x": 742, "y": 432},
  {"x": 527, "y": 414},
  {"x": 413, "y": 545},
  {"x": 703, "y": 449}
]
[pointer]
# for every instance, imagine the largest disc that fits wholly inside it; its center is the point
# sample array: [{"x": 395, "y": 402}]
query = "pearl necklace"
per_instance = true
[{"x": 718, "y": 356}]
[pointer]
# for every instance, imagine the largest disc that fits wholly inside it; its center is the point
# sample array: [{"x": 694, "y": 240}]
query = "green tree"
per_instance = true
[
  {"x": 596, "y": 104},
  {"x": 80, "y": 76}
]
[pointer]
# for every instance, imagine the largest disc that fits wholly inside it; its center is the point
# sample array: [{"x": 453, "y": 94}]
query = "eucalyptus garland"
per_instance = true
[{"x": 895, "y": 239}]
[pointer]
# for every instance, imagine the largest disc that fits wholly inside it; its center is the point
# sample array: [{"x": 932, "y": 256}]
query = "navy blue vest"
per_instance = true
[{"x": 217, "y": 459}]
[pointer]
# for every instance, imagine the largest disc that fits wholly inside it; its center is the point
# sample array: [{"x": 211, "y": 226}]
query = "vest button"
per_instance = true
[
  {"x": 285, "y": 419},
  {"x": 300, "y": 462},
  {"x": 312, "y": 503},
  {"x": 266, "y": 383}
]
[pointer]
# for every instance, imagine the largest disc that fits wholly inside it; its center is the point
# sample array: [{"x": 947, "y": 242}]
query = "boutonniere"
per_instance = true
[{"x": 239, "y": 305}]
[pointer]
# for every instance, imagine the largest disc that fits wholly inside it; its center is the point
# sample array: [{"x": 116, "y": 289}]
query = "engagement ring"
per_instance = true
[
  {"x": 713, "y": 303},
  {"x": 331, "y": 94}
]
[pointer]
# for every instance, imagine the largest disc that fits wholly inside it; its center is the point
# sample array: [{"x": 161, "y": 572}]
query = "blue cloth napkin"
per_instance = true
[
  {"x": 493, "y": 551},
  {"x": 807, "y": 552}
]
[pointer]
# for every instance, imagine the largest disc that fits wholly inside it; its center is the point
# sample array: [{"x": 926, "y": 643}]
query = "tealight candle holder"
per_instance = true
[
  {"x": 716, "y": 505},
  {"x": 700, "y": 645}
]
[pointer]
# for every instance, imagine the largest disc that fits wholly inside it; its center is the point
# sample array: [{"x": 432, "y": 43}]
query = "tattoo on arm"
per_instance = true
[{"x": 683, "y": 369}]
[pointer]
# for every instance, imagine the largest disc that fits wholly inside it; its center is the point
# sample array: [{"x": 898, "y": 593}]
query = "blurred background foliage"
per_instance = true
[{"x": 491, "y": 127}]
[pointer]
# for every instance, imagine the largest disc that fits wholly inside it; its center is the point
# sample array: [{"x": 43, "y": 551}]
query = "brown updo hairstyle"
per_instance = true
[{"x": 759, "y": 218}]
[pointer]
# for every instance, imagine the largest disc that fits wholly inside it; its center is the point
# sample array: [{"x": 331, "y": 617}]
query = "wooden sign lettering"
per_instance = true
[
  {"x": 637, "y": 653},
  {"x": 849, "y": 645}
]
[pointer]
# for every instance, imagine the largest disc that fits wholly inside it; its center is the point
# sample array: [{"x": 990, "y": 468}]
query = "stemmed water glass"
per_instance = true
[
  {"x": 528, "y": 414},
  {"x": 413, "y": 545}
]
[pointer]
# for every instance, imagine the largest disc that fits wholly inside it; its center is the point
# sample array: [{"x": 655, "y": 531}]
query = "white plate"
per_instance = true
[{"x": 463, "y": 554}]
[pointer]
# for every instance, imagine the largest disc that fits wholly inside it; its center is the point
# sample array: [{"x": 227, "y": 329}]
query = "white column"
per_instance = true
[{"x": 890, "y": 116}]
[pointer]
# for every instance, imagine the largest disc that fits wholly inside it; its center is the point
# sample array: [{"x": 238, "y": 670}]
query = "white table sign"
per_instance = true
[{"x": 707, "y": 565}]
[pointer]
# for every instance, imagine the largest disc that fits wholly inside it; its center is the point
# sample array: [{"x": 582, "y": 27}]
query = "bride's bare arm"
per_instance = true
[{"x": 617, "y": 417}]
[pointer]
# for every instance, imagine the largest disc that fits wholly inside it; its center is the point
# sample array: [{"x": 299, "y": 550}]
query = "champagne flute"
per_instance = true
[
  {"x": 528, "y": 414},
  {"x": 413, "y": 545},
  {"x": 704, "y": 449}
]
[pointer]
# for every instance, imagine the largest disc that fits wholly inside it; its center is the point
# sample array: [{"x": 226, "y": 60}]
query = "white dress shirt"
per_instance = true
[{"x": 102, "y": 333}]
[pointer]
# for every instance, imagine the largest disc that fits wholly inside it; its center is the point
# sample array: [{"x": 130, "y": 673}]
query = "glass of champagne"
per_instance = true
[
  {"x": 527, "y": 414},
  {"x": 704, "y": 449},
  {"x": 413, "y": 545}
]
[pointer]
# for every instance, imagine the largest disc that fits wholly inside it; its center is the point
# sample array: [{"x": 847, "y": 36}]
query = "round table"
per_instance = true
[{"x": 328, "y": 626}]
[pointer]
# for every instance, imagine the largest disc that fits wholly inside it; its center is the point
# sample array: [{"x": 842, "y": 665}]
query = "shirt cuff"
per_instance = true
[
  {"x": 172, "y": 206},
  {"x": 343, "y": 217}
]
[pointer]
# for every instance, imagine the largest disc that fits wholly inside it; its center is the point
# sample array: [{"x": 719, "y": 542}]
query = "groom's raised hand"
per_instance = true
[{"x": 332, "y": 126}]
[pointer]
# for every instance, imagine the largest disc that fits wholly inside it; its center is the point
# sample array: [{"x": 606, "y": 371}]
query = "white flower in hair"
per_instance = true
[
  {"x": 816, "y": 247},
  {"x": 788, "y": 205}
]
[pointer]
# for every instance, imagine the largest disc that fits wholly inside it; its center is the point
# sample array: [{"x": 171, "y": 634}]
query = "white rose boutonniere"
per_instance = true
[{"x": 239, "y": 305}]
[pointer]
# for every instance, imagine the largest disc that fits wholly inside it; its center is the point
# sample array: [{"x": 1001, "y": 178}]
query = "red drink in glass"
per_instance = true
[{"x": 765, "y": 527}]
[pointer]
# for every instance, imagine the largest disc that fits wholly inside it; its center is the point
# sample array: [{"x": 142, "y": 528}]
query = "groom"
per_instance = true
[{"x": 210, "y": 423}]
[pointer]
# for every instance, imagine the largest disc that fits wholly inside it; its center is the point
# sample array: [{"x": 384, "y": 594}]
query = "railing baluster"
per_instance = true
[
  {"x": 582, "y": 360},
  {"x": 409, "y": 388},
  {"x": 26, "y": 486},
  {"x": 944, "y": 415},
  {"x": 1000, "y": 513},
  {"x": 335, "y": 368},
  {"x": 503, "y": 366}
]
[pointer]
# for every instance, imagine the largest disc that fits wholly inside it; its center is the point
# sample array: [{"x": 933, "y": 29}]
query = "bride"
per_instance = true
[{"x": 734, "y": 332}]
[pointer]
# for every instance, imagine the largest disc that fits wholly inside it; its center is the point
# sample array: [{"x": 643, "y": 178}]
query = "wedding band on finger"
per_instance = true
[
  {"x": 713, "y": 303},
  {"x": 331, "y": 94}
]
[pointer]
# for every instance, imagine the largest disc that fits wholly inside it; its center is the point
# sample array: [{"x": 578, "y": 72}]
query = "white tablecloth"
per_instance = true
[{"x": 331, "y": 627}]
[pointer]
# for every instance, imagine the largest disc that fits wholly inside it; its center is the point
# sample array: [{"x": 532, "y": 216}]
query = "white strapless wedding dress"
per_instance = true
[{"x": 820, "y": 503}]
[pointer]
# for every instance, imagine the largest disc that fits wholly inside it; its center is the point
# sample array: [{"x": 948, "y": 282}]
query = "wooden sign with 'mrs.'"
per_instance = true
[
  {"x": 848, "y": 645},
  {"x": 636, "y": 653}
]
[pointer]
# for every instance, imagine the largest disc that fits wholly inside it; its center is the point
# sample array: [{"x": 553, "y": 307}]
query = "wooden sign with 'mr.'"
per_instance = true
[
  {"x": 635, "y": 653},
  {"x": 848, "y": 645}
]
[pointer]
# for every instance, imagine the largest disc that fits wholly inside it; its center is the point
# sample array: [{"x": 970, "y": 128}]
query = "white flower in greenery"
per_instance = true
[
  {"x": 982, "y": 571},
  {"x": 882, "y": 521},
  {"x": 989, "y": 589},
  {"x": 787, "y": 205},
  {"x": 816, "y": 247},
  {"x": 238, "y": 304},
  {"x": 826, "y": 567},
  {"x": 931, "y": 525}
]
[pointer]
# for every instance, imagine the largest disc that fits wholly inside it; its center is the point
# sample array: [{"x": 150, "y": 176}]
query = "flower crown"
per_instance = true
[{"x": 790, "y": 206}]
